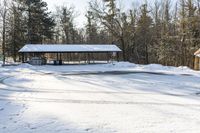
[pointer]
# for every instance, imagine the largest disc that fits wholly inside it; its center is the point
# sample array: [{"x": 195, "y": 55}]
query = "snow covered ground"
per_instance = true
[{"x": 107, "y": 98}]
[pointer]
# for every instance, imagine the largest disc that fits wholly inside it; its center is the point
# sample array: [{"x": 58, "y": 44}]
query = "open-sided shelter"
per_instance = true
[{"x": 38, "y": 51}]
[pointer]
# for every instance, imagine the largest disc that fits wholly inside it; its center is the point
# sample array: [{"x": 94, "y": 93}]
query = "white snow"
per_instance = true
[
  {"x": 198, "y": 55},
  {"x": 70, "y": 48},
  {"x": 103, "y": 98}
]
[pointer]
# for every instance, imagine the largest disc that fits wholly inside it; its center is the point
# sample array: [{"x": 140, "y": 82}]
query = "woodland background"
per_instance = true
[{"x": 164, "y": 32}]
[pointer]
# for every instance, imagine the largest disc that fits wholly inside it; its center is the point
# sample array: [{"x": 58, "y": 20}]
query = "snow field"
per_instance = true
[{"x": 57, "y": 99}]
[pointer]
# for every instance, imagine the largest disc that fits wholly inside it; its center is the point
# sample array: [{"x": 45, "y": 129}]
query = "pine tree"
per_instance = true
[
  {"x": 16, "y": 32},
  {"x": 91, "y": 29},
  {"x": 144, "y": 35},
  {"x": 65, "y": 18},
  {"x": 39, "y": 22}
]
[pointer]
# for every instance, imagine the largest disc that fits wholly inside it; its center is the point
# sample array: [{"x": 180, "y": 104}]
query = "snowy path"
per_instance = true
[{"x": 34, "y": 102}]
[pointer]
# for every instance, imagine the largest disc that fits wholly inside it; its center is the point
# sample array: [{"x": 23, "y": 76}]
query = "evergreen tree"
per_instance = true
[
  {"x": 39, "y": 22},
  {"x": 144, "y": 35},
  {"x": 16, "y": 32},
  {"x": 65, "y": 17},
  {"x": 65, "y": 22},
  {"x": 91, "y": 29}
]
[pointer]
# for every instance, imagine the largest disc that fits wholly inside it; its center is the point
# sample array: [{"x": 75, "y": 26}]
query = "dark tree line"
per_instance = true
[{"x": 163, "y": 32}]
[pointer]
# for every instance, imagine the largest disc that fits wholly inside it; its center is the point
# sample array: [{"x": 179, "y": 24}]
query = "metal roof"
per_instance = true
[{"x": 67, "y": 48}]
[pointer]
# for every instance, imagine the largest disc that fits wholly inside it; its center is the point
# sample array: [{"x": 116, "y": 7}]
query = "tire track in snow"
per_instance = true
[
  {"x": 22, "y": 89},
  {"x": 89, "y": 92},
  {"x": 47, "y": 100}
]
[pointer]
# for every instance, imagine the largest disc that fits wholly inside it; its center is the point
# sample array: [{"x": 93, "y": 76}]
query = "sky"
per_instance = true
[{"x": 80, "y": 7}]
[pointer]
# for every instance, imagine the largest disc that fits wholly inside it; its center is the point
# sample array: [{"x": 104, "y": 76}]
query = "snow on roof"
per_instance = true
[
  {"x": 69, "y": 48},
  {"x": 197, "y": 53}
]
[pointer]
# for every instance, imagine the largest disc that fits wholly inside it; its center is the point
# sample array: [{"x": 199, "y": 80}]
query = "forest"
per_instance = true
[{"x": 164, "y": 32}]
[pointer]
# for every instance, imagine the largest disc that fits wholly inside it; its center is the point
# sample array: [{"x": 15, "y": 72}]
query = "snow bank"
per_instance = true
[
  {"x": 123, "y": 64},
  {"x": 115, "y": 66},
  {"x": 153, "y": 68},
  {"x": 159, "y": 67},
  {"x": 183, "y": 70},
  {"x": 25, "y": 65}
]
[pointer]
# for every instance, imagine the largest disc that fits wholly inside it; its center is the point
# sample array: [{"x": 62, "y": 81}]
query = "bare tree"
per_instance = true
[
  {"x": 111, "y": 18},
  {"x": 3, "y": 13}
]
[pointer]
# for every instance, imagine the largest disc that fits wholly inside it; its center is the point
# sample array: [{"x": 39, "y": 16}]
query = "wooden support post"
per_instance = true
[
  {"x": 79, "y": 58},
  {"x": 85, "y": 58},
  {"x": 117, "y": 56},
  {"x": 60, "y": 61},
  {"x": 60, "y": 56},
  {"x": 68, "y": 57},
  {"x": 25, "y": 57},
  {"x": 22, "y": 57},
  {"x": 57, "y": 57},
  {"x": 196, "y": 63},
  {"x": 88, "y": 58},
  {"x": 93, "y": 58},
  {"x": 107, "y": 57}
]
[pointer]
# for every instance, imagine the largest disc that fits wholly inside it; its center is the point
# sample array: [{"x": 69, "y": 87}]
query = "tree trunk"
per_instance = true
[
  {"x": 123, "y": 49},
  {"x": 4, "y": 37},
  {"x": 146, "y": 54}
]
